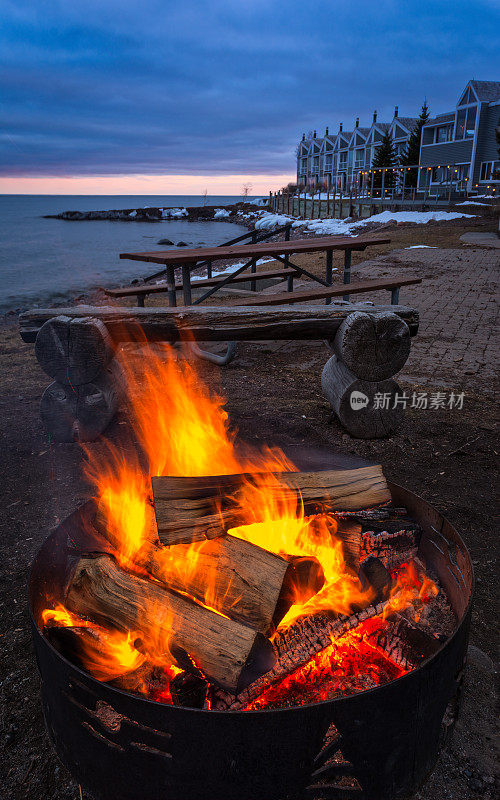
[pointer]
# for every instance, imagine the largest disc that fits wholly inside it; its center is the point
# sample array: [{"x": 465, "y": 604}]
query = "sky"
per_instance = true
[{"x": 162, "y": 97}]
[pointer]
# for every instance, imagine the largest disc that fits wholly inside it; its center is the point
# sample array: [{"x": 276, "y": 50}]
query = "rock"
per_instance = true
[
  {"x": 164, "y": 241},
  {"x": 480, "y": 659},
  {"x": 182, "y": 244}
]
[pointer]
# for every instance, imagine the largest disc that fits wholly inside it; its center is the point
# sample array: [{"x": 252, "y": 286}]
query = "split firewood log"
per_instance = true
[
  {"x": 373, "y": 345},
  {"x": 228, "y": 653},
  {"x": 73, "y": 351},
  {"x": 234, "y": 576},
  {"x": 239, "y": 579},
  {"x": 353, "y": 401},
  {"x": 192, "y": 509}
]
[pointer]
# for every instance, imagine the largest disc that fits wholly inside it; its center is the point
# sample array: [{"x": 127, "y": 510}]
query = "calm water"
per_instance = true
[{"x": 48, "y": 260}]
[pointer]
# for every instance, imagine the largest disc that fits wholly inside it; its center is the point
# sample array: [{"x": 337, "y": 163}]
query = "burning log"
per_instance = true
[
  {"x": 374, "y": 346},
  {"x": 404, "y": 643},
  {"x": 81, "y": 413},
  {"x": 192, "y": 509},
  {"x": 294, "y": 647},
  {"x": 73, "y": 351},
  {"x": 190, "y": 691},
  {"x": 374, "y": 573},
  {"x": 393, "y": 549},
  {"x": 240, "y": 579},
  {"x": 353, "y": 401},
  {"x": 229, "y": 653}
]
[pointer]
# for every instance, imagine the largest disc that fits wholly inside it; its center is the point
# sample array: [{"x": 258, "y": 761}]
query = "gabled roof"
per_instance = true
[
  {"x": 407, "y": 122},
  {"x": 345, "y": 135},
  {"x": 486, "y": 91},
  {"x": 363, "y": 132}
]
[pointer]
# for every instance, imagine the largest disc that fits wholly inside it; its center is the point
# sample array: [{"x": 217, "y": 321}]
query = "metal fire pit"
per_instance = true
[{"x": 389, "y": 736}]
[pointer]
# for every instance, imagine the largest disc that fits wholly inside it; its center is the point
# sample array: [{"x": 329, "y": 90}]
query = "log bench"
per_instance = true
[
  {"x": 76, "y": 347},
  {"x": 392, "y": 285}
]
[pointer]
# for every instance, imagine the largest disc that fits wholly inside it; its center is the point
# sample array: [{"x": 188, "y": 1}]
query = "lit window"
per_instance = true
[
  {"x": 461, "y": 118},
  {"x": 471, "y": 122}
]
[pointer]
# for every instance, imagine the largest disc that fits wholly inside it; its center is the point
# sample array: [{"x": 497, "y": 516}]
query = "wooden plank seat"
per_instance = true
[
  {"x": 144, "y": 290},
  {"x": 390, "y": 284}
]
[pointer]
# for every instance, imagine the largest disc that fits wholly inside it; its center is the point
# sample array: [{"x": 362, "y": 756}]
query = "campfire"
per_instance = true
[{"x": 223, "y": 578}]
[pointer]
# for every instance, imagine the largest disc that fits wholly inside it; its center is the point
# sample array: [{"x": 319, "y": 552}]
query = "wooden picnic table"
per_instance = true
[{"x": 281, "y": 251}]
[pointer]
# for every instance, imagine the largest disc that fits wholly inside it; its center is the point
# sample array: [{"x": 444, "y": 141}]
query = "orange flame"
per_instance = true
[{"x": 183, "y": 429}]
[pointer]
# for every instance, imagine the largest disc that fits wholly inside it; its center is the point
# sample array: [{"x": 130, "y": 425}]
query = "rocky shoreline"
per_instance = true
[{"x": 160, "y": 214}]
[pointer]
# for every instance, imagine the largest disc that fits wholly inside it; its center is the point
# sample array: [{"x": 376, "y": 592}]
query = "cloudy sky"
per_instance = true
[{"x": 155, "y": 95}]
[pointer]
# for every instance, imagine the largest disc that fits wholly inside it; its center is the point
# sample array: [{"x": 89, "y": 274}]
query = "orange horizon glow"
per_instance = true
[{"x": 161, "y": 185}]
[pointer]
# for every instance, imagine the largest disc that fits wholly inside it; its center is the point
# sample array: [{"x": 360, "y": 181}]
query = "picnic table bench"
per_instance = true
[
  {"x": 392, "y": 285},
  {"x": 189, "y": 259}
]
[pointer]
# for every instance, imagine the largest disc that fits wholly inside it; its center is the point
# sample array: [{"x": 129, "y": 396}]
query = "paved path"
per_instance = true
[{"x": 457, "y": 344}]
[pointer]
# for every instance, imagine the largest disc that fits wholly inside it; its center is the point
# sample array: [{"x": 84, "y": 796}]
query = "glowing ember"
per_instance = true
[{"x": 349, "y": 665}]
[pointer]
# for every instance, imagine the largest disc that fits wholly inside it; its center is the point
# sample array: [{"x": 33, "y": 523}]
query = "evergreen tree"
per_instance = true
[
  {"x": 385, "y": 156},
  {"x": 411, "y": 156}
]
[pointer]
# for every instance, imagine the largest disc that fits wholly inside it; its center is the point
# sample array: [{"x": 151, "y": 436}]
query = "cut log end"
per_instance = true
[
  {"x": 73, "y": 351},
  {"x": 81, "y": 413},
  {"x": 373, "y": 345}
]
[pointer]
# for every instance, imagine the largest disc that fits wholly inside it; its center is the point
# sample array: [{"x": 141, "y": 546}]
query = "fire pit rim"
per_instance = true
[{"x": 283, "y": 711}]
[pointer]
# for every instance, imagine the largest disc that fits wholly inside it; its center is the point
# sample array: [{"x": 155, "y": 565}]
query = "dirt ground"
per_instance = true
[{"x": 273, "y": 394}]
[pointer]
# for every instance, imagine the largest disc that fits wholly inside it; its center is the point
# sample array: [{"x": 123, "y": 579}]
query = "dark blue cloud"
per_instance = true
[{"x": 220, "y": 86}]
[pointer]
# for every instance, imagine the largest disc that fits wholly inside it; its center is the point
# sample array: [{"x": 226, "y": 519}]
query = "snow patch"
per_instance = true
[
  {"x": 133, "y": 214},
  {"x": 339, "y": 226},
  {"x": 269, "y": 221},
  {"x": 228, "y": 270},
  {"x": 173, "y": 213},
  {"x": 221, "y": 213},
  {"x": 472, "y": 203},
  {"x": 421, "y": 246}
]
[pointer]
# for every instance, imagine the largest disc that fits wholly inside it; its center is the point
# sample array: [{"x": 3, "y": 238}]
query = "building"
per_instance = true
[
  {"x": 457, "y": 148},
  {"x": 460, "y": 146},
  {"x": 336, "y": 159}
]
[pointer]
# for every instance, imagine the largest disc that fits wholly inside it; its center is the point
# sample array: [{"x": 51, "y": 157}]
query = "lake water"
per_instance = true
[{"x": 45, "y": 261}]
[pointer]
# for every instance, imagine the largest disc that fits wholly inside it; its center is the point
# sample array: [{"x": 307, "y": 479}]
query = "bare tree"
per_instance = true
[
  {"x": 246, "y": 189},
  {"x": 205, "y": 195}
]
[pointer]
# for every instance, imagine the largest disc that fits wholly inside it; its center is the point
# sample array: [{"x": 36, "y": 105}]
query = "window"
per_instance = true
[
  {"x": 428, "y": 135},
  {"x": 439, "y": 174},
  {"x": 470, "y": 125},
  {"x": 467, "y": 98},
  {"x": 342, "y": 159},
  {"x": 328, "y": 162},
  {"x": 359, "y": 158},
  {"x": 490, "y": 171},
  {"x": 304, "y": 165},
  {"x": 466, "y": 122},
  {"x": 460, "y": 130},
  {"x": 443, "y": 133}
]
